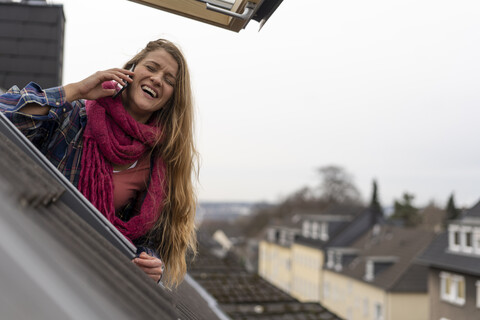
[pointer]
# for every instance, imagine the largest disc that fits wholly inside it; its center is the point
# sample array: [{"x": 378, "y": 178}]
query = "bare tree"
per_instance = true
[{"x": 337, "y": 187}]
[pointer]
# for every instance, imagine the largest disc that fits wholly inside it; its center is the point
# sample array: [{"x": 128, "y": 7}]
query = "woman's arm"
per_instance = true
[
  {"x": 90, "y": 88},
  {"x": 45, "y": 107}
]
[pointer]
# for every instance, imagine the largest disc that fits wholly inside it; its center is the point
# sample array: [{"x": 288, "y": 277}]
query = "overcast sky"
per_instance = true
[{"x": 386, "y": 89}]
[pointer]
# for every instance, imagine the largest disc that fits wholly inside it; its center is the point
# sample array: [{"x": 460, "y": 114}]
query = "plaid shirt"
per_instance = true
[{"x": 59, "y": 134}]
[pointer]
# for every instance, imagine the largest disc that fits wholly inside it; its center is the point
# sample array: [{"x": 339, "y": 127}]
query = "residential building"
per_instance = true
[
  {"x": 275, "y": 256},
  {"x": 31, "y": 43},
  {"x": 453, "y": 259},
  {"x": 244, "y": 295},
  {"x": 292, "y": 255},
  {"x": 376, "y": 277},
  {"x": 310, "y": 251}
]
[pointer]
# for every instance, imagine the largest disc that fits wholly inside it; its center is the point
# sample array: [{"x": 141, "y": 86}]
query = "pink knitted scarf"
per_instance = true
[{"x": 113, "y": 136}]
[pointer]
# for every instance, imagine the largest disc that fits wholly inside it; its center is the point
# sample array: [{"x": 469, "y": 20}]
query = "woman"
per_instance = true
[{"x": 131, "y": 155}]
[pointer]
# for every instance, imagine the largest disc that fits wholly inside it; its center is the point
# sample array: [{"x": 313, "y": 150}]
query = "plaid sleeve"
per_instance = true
[
  {"x": 148, "y": 251},
  {"x": 33, "y": 126}
]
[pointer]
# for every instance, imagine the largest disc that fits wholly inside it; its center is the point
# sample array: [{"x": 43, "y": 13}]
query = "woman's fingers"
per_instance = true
[
  {"x": 119, "y": 75},
  {"x": 91, "y": 87},
  {"x": 148, "y": 263},
  {"x": 152, "y": 266}
]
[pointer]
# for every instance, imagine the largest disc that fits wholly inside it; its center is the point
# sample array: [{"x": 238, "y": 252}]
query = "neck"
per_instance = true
[{"x": 142, "y": 118}]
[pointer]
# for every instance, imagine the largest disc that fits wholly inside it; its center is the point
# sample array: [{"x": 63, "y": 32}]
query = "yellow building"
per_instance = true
[
  {"x": 377, "y": 277},
  {"x": 307, "y": 264},
  {"x": 275, "y": 257},
  {"x": 356, "y": 266},
  {"x": 308, "y": 250},
  {"x": 356, "y": 300},
  {"x": 291, "y": 257}
]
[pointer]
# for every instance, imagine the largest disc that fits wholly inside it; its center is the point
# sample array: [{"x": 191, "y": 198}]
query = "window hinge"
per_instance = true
[{"x": 246, "y": 15}]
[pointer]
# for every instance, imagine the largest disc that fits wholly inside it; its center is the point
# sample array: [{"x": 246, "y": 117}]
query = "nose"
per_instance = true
[{"x": 157, "y": 78}]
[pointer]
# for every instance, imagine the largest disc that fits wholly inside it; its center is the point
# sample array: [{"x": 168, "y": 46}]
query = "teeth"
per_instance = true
[{"x": 149, "y": 90}]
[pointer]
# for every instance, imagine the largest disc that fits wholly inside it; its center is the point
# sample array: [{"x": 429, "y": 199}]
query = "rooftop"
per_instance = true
[
  {"x": 397, "y": 247},
  {"x": 244, "y": 295}
]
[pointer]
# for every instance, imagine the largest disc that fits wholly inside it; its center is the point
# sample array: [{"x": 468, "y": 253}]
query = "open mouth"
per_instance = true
[{"x": 149, "y": 91}]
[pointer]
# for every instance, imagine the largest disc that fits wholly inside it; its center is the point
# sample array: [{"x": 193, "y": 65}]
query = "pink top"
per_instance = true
[{"x": 127, "y": 183}]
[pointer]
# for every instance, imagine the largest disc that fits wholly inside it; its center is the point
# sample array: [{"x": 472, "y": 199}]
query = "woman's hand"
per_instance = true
[
  {"x": 91, "y": 87},
  {"x": 152, "y": 266}
]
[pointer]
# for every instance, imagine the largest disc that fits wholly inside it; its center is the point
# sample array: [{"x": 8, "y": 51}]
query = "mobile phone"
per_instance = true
[{"x": 125, "y": 85}]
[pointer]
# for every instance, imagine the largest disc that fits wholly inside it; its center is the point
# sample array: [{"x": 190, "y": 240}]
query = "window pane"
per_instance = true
[
  {"x": 457, "y": 238},
  {"x": 461, "y": 289},
  {"x": 468, "y": 238},
  {"x": 447, "y": 285}
]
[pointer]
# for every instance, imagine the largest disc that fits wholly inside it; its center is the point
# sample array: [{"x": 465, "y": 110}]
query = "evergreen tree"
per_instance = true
[
  {"x": 375, "y": 203},
  {"x": 452, "y": 211},
  {"x": 406, "y": 212}
]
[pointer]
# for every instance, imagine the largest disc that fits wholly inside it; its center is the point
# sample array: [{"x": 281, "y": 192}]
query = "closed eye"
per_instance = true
[{"x": 170, "y": 81}]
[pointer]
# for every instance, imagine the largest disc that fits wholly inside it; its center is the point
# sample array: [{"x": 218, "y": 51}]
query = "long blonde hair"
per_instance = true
[{"x": 174, "y": 232}]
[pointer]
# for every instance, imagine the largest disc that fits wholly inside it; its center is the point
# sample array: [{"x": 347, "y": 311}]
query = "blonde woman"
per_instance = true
[{"x": 130, "y": 152}]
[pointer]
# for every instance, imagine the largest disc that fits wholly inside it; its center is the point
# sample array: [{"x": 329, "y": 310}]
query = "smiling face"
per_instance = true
[{"x": 153, "y": 85}]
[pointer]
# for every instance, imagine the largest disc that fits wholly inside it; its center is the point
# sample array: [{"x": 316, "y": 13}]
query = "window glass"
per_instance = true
[
  {"x": 448, "y": 285},
  {"x": 222, "y": 17},
  {"x": 452, "y": 288},
  {"x": 315, "y": 231},
  {"x": 306, "y": 229},
  {"x": 476, "y": 240},
  {"x": 324, "y": 231},
  {"x": 456, "y": 238},
  {"x": 378, "y": 311},
  {"x": 468, "y": 239},
  {"x": 478, "y": 294},
  {"x": 461, "y": 288},
  {"x": 365, "y": 307}
]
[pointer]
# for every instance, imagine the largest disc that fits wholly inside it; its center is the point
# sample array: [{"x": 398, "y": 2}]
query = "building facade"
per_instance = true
[
  {"x": 454, "y": 276},
  {"x": 31, "y": 43}
]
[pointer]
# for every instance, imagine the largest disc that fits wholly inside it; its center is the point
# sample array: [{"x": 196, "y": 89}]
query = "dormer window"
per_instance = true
[
  {"x": 375, "y": 265},
  {"x": 338, "y": 262},
  {"x": 464, "y": 238},
  {"x": 324, "y": 231},
  {"x": 369, "y": 270},
  {"x": 283, "y": 237},
  {"x": 306, "y": 229},
  {"x": 476, "y": 241},
  {"x": 467, "y": 235},
  {"x": 454, "y": 237},
  {"x": 272, "y": 235},
  {"x": 330, "y": 259},
  {"x": 315, "y": 231}
]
